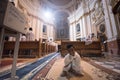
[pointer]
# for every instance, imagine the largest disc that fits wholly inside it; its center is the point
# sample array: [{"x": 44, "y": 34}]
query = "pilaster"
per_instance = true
[
  {"x": 113, "y": 41},
  {"x": 107, "y": 20}
]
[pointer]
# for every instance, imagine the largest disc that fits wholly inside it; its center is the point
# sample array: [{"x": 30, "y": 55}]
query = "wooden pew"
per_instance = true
[
  {"x": 26, "y": 49},
  {"x": 93, "y": 49}
]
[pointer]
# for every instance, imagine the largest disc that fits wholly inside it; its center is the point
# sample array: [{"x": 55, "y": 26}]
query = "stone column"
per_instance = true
[
  {"x": 37, "y": 29},
  {"x": 74, "y": 32},
  {"x": 112, "y": 18},
  {"x": 70, "y": 29},
  {"x": 90, "y": 25},
  {"x": 107, "y": 19},
  {"x": 84, "y": 26},
  {"x": 111, "y": 28},
  {"x": 81, "y": 28},
  {"x": 117, "y": 25}
]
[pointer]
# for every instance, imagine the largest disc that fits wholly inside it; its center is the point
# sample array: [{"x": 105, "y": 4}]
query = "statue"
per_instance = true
[
  {"x": 98, "y": 10},
  {"x": 101, "y": 37}
]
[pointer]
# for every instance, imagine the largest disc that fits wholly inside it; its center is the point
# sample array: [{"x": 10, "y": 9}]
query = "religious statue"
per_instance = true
[
  {"x": 98, "y": 13},
  {"x": 101, "y": 37}
]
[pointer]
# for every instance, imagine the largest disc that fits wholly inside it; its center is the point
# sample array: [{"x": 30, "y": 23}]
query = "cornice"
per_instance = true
[
  {"x": 77, "y": 19},
  {"x": 81, "y": 12},
  {"x": 26, "y": 4},
  {"x": 39, "y": 19}
]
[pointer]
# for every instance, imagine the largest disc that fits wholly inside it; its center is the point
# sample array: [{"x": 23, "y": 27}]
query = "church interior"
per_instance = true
[{"x": 34, "y": 35}]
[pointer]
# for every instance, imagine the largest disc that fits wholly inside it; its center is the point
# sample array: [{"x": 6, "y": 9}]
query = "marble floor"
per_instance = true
[{"x": 53, "y": 69}]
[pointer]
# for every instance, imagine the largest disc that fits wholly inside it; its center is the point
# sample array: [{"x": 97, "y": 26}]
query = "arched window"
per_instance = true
[
  {"x": 44, "y": 28},
  {"x": 78, "y": 27}
]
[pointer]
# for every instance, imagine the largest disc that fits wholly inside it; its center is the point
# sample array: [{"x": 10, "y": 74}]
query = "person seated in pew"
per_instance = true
[
  {"x": 30, "y": 35},
  {"x": 93, "y": 37},
  {"x": 72, "y": 63},
  {"x": 23, "y": 37}
]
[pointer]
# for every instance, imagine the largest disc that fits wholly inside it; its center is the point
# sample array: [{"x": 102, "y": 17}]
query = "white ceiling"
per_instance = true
[{"x": 60, "y": 2}]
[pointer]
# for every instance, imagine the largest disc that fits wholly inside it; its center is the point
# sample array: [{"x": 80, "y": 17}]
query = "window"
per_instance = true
[
  {"x": 78, "y": 27},
  {"x": 44, "y": 28},
  {"x": 61, "y": 32}
]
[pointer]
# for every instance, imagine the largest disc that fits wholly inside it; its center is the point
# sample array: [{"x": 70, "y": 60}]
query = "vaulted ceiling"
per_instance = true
[
  {"x": 60, "y": 2},
  {"x": 59, "y": 8}
]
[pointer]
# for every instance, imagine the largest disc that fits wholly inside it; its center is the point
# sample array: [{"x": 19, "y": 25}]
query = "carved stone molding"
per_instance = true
[{"x": 114, "y": 2}]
